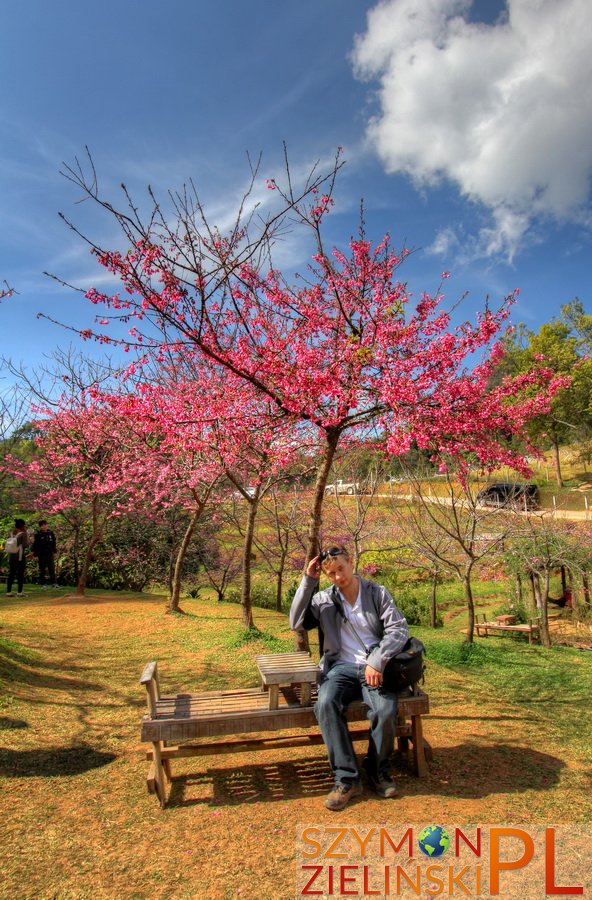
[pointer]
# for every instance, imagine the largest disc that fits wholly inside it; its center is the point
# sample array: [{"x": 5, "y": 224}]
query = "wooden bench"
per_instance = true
[
  {"x": 532, "y": 628},
  {"x": 181, "y": 725}
]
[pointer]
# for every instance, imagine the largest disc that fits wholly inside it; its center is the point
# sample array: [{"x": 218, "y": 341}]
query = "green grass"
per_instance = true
[{"x": 553, "y": 685}]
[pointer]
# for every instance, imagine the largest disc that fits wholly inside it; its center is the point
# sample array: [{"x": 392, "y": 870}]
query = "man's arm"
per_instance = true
[{"x": 302, "y": 613}]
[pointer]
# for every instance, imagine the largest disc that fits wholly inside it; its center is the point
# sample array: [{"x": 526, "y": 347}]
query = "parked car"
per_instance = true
[
  {"x": 343, "y": 487},
  {"x": 238, "y": 495},
  {"x": 515, "y": 494}
]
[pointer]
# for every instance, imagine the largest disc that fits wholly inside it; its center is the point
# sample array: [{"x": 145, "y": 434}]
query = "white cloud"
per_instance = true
[
  {"x": 503, "y": 110},
  {"x": 446, "y": 240}
]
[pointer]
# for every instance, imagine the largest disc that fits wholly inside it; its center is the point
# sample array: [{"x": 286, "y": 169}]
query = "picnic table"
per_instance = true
[
  {"x": 532, "y": 628},
  {"x": 182, "y": 725}
]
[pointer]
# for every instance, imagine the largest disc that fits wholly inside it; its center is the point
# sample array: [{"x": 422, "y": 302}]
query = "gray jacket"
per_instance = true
[{"x": 311, "y": 607}]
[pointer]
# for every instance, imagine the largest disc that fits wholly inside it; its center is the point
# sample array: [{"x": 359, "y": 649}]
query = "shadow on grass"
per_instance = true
[
  {"x": 6, "y": 722},
  {"x": 56, "y": 762},
  {"x": 16, "y": 674},
  {"x": 98, "y": 599},
  {"x": 266, "y": 782},
  {"x": 467, "y": 771}
]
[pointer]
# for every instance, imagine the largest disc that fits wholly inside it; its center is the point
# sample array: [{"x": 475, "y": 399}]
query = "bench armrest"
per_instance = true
[{"x": 150, "y": 680}]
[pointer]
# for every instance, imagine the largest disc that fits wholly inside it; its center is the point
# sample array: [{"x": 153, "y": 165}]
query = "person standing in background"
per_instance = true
[
  {"x": 44, "y": 550},
  {"x": 15, "y": 547}
]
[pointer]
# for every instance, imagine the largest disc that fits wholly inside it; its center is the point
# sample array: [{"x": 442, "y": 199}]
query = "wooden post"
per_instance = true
[
  {"x": 274, "y": 694},
  {"x": 421, "y": 767},
  {"x": 402, "y": 742},
  {"x": 159, "y": 775}
]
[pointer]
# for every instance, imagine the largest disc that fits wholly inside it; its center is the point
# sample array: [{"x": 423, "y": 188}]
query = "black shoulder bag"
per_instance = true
[{"x": 404, "y": 669}]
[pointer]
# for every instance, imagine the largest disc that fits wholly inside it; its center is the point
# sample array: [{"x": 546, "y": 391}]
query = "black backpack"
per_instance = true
[{"x": 403, "y": 670}]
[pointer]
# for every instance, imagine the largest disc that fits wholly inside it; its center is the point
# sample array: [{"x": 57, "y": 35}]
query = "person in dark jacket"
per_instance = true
[
  {"x": 44, "y": 550},
  {"x": 354, "y": 614},
  {"x": 16, "y": 558}
]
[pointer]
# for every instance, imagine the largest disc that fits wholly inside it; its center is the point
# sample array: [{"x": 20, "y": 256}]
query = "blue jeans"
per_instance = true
[{"x": 343, "y": 683}]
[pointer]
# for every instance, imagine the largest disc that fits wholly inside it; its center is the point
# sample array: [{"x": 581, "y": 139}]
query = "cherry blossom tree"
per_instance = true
[
  {"x": 196, "y": 426},
  {"x": 75, "y": 466},
  {"x": 165, "y": 463},
  {"x": 342, "y": 349}
]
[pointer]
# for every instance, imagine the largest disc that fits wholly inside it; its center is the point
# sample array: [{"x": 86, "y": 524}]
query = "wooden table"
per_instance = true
[{"x": 295, "y": 669}]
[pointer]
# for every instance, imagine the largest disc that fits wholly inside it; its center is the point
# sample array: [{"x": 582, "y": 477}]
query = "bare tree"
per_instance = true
[
  {"x": 539, "y": 548},
  {"x": 450, "y": 530},
  {"x": 281, "y": 533},
  {"x": 221, "y": 565},
  {"x": 354, "y": 515}
]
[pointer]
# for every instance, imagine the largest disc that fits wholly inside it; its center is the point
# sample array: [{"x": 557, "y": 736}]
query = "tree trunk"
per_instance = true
[
  {"x": 316, "y": 516},
  {"x": 279, "y": 585},
  {"x": 246, "y": 567},
  {"x": 545, "y": 638},
  {"x": 94, "y": 540},
  {"x": 175, "y": 594},
  {"x": 332, "y": 440},
  {"x": 519, "y": 596},
  {"x": 586, "y": 588},
  {"x": 83, "y": 577},
  {"x": 468, "y": 592},
  {"x": 171, "y": 572},
  {"x": 533, "y": 587},
  {"x": 557, "y": 463},
  {"x": 434, "y": 601}
]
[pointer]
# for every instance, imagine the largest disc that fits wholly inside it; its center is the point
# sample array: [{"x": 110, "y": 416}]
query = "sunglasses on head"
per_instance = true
[{"x": 331, "y": 552}]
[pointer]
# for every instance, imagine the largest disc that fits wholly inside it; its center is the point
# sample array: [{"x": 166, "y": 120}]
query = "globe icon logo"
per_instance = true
[{"x": 433, "y": 840}]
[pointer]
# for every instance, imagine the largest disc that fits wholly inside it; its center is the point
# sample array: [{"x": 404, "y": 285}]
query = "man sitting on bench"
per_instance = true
[{"x": 353, "y": 614}]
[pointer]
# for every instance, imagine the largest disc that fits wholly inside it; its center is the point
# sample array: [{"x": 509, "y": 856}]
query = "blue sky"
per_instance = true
[{"x": 467, "y": 129}]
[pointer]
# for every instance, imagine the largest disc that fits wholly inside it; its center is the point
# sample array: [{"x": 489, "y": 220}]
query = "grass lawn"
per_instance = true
[{"x": 510, "y": 727}]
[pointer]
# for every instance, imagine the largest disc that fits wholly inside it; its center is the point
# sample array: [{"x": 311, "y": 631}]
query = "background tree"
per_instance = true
[
  {"x": 450, "y": 531},
  {"x": 337, "y": 350},
  {"x": 564, "y": 345},
  {"x": 77, "y": 450},
  {"x": 219, "y": 562},
  {"x": 281, "y": 537},
  {"x": 355, "y": 518},
  {"x": 540, "y": 549}
]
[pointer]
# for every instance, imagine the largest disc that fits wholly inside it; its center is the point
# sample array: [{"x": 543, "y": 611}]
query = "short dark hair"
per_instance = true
[
  {"x": 42, "y": 522},
  {"x": 20, "y": 523}
]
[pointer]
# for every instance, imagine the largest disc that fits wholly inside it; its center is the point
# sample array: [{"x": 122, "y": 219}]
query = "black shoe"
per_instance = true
[{"x": 342, "y": 794}]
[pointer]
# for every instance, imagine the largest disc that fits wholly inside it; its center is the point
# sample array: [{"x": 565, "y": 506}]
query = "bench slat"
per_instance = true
[{"x": 205, "y": 720}]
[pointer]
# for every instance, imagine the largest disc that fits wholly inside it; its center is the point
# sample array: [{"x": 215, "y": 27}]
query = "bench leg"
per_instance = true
[
  {"x": 421, "y": 766},
  {"x": 305, "y": 693},
  {"x": 274, "y": 696},
  {"x": 402, "y": 742},
  {"x": 156, "y": 774}
]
